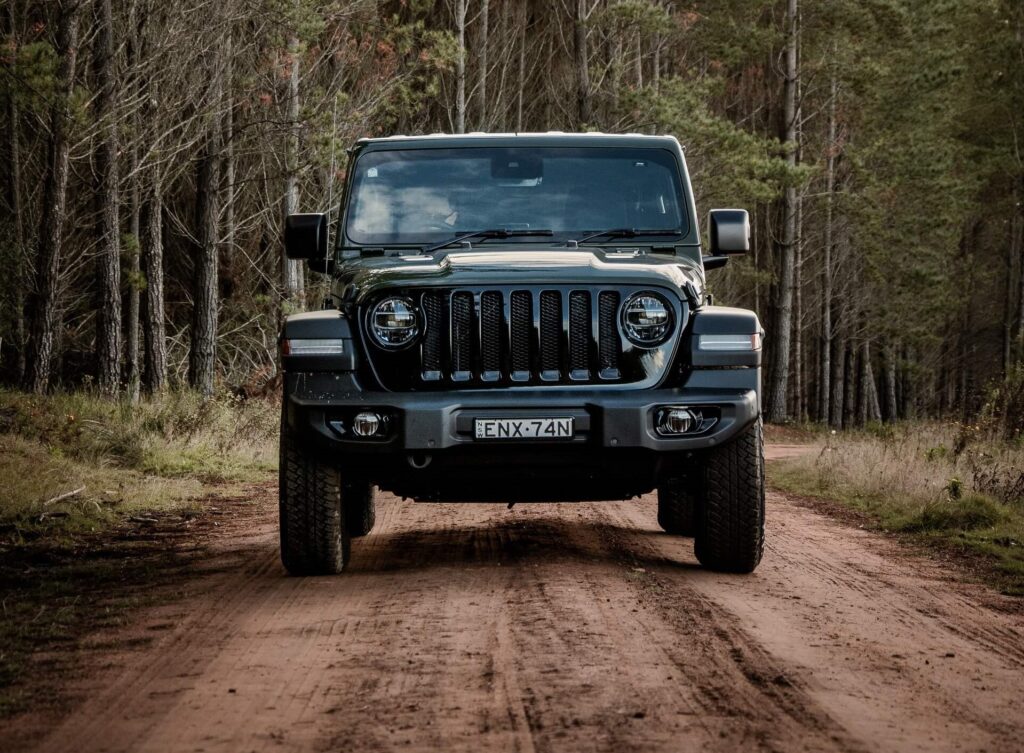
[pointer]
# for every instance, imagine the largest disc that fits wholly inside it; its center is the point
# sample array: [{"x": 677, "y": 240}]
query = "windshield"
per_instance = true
[{"x": 424, "y": 196}]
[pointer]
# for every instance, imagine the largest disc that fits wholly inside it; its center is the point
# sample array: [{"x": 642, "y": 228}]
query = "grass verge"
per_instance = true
[
  {"x": 936, "y": 483},
  {"x": 78, "y": 462}
]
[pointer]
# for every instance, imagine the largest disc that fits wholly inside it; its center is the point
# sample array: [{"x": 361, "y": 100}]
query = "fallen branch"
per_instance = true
[{"x": 65, "y": 495}]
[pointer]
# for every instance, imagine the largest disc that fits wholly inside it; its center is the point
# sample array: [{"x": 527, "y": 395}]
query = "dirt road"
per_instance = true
[{"x": 564, "y": 627}]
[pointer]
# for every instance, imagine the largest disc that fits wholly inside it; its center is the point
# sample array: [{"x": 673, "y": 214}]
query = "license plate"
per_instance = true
[{"x": 523, "y": 428}]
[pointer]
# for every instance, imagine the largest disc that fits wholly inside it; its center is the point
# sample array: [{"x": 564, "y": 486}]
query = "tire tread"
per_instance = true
[
  {"x": 730, "y": 525},
  {"x": 360, "y": 508},
  {"x": 314, "y": 538},
  {"x": 677, "y": 507}
]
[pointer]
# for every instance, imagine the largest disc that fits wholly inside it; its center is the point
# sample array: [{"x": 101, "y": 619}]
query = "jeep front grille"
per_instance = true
[{"x": 540, "y": 335}]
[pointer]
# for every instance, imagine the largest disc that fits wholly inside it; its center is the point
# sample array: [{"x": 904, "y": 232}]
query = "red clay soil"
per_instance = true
[{"x": 576, "y": 627}]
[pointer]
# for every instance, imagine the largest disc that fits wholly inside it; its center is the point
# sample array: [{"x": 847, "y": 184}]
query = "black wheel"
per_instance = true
[
  {"x": 677, "y": 505},
  {"x": 730, "y": 518},
  {"x": 360, "y": 511},
  {"x": 314, "y": 538}
]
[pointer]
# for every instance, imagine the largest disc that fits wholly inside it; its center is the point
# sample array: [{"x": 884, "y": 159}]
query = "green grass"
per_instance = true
[
  {"x": 179, "y": 433},
  {"x": 929, "y": 482},
  {"x": 35, "y": 474},
  {"x": 122, "y": 459}
]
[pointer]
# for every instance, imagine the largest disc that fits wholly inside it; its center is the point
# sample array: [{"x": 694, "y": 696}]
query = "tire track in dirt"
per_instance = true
[
  {"x": 563, "y": 627},
  {"x": 892, "y": 648}
]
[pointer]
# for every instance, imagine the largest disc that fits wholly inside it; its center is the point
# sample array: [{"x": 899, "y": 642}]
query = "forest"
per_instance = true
[{"x": 151, "y": 149}]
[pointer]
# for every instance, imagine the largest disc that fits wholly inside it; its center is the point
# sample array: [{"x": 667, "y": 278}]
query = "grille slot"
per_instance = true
[
  {"x": 462, "y": 337},
  {"x": 579, "y": 335},
  {"x": 608, "y": 342},
  {"x": 490, "y": 335},
  {"x": 433, "y": 313},
  {"x": 550, "y": 334},
  {"x": 521, "y": 313}
]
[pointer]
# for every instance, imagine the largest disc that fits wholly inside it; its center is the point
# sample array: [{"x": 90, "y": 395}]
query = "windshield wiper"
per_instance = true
[
  {"x": 625, "y": 232},
  {"x": 492, "y": 233}
]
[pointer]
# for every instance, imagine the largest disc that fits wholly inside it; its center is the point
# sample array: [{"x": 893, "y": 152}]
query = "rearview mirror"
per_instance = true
[
  {"x": 729, "y": 231},
  {"x": 305, "y": 236}
]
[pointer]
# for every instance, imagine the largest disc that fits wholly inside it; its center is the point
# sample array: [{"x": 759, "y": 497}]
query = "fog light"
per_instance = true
[
  {"x": 366, "y": 424},
  {"x": 675, "y": 421}
]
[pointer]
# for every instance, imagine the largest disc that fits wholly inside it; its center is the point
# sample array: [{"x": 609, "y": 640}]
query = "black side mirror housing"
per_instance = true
[
  {"x": 729, "y": 231},
  {"x": 305, "y": 236}
]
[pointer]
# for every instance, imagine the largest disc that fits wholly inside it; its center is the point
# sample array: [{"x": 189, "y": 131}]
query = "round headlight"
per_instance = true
[
  {"x": 394, "y": 322},
  {"x": 646, "y": 319}
]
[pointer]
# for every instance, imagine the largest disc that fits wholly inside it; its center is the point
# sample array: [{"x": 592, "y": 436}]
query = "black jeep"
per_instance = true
[{"x": 520, "y": 318}]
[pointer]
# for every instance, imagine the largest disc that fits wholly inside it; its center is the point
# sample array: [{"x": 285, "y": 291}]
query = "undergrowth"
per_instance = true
[
  {"x": 80, "y": 461},
  {"x": 951, "y": 485}
]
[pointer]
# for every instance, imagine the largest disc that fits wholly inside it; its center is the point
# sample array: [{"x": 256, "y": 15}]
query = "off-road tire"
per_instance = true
[
  {"x": 730, "y": 519},
  {"x": 360, "y": 510},
  {"x": 677, "y": 507},
  {"x": 314, "y": 537}
]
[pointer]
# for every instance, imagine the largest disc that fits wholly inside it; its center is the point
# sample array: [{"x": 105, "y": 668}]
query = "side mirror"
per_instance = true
[
  {"x": 729, "y": 230},
  {"x": 305, "y": 236}
]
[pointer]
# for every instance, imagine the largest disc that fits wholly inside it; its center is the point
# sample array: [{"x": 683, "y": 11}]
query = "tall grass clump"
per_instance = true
[
  {"x": 114, "y": 457},
  {"x": 954, "y": 484}
]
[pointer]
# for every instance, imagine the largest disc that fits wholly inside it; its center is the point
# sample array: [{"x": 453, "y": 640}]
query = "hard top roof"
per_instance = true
[{"x": 550, "y": 138}]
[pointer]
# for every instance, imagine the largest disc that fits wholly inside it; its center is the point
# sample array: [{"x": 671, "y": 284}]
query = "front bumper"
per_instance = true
[{"x": 436, "y": 421}]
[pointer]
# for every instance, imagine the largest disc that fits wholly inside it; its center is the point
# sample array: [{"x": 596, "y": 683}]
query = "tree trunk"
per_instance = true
[
  {"x": 638, "y": 62},
  {"x": 849, "y": 386},
  {"x": 131, "y": 344},
  {"x": 291, "y": 268},
  {"x": 481, "y": 72},
  {"x": 581, "y": 61},
  {"x": 892, "y": 412},
  {"x": 522, "y": 69},
  {"x": 968, "y": 339},
  {"x": 108, "y": 320},
  {"x": 133, "y": 376},
  {"x": 825, "y": 393},
  {"x": 51, "y": 225},
  {"x": 909, "y": 392},
  {"x": 778, "y": 409},
  {"x": 155, "y": 332},
  {"x": 799, "y": 376},
  {"x": 656, "y": 65},
  {"x": 14, "y": 199},
  {"x": 229, "y": 174},
  {"x": 1008, "y": 261},
  {"x": 869, "y": 408},
  {"x": 1018, "y": 244},
  {"x": 838, "y": 384},
  {"x": 203, "y": 353},
  {"x": 460, "y": 67}
]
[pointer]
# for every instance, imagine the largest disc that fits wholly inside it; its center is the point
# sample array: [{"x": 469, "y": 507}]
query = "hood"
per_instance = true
[{"x": 359, "y": 278}]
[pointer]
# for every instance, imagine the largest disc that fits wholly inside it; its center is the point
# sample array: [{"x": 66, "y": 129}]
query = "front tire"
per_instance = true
[
  {"x": 677, "y": 507},
  {"x": 360, "y": 510},
  {"x": 314, "y": 537},
  {"x": 730, "y": 519}
]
